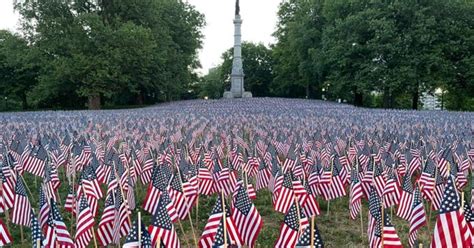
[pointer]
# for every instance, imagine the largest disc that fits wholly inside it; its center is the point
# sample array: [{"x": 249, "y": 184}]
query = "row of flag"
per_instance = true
[{"x": 179, "y": 160}]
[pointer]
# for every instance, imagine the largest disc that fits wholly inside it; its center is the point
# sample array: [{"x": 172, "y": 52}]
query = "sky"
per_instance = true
[{"x": 259, "y": 22}]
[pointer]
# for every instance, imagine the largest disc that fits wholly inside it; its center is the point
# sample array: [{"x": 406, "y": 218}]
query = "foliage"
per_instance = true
[
  {"x": 351, "y": 49},
  {"x": 107, "y": 52}
]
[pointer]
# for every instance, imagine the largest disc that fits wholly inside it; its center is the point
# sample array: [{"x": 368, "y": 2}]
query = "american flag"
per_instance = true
[
  {"x": 70, "y": 204},
  {"x": 305, "y": 239},
  {"x": 469, "y": 216},
  {"x": 427, "y": 179},
  {"x": 213, "y": 234},
  {"x": 36, "y": 161},
  {"x": 175, "y": 191},
  {"x": 122, "y": 217},
  {"x": 406, "y": 199},
  {"x": 390, "y": 236},
  {"x": 391, "y": 192},
  {"x": 417, "y": 218},
  {"x": 284, "y": 195},
  {"x": 157, "y": 185},
  {"x": 5, "y": 237},
  {"x": 335, "y": 188},
  {"x": 90, "y": 183},
  {"x": 162, "y": 227},
  {"x": 206, "y": 182},
  {"x": 135, "y": 240},
  {"x": 56, "y": 231},
  {"x": 356, "y": 194},
  {"x": 294, "y": 223},
  {"x": 247, "y": 219},
  {"x": 21, "y": 207},
  {"x": 106, "y": 224},
  {"x": 44, "y": 209},
  {"x": 450, "y": 218},
  {"x": 374, "y": 230},
  {"x": 36, "y": 235},
  {"x": 263, "y": 175},
  {"x": 8, "y": 182},
  {"x": 84, "y": 223}
]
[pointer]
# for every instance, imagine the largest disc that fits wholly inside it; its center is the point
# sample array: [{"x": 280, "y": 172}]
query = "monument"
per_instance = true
[{"x": 237, "y": 76}]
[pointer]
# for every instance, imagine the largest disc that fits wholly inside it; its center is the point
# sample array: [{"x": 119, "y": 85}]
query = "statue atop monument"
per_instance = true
[
  {"x": 237, "y": 8},
  {"x": 237, "y": 75}
]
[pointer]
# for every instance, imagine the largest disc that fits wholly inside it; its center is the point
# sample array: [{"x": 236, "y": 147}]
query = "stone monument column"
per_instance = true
[{"x": 237, "y": 89}]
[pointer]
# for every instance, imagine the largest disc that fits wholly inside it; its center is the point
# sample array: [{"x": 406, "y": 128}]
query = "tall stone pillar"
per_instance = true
[{"x": 237, "y": 89}]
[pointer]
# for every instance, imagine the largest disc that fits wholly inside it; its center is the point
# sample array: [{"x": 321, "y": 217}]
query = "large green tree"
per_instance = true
[{"x": 112, "y": 52}]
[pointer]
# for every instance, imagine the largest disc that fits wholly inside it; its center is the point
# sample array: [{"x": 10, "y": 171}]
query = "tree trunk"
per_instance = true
[
  {"x": 414, "y": 100},
  {"x": 358, "y": 99},
  {"x": 94, "y": 102},
  {"x": 140, "y": 98},
  {"x": 24, "y": 102},
  {"x": 386, "y": 98}
]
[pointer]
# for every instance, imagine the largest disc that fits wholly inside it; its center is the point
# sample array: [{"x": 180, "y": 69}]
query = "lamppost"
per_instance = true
[{"x": 6, "y": 103}]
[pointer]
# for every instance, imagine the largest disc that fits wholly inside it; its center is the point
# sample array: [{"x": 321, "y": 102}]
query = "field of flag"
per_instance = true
[{"x": 258, "y": 172}]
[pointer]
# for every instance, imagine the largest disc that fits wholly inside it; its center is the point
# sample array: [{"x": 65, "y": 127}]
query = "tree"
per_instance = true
[
  {"x": 258, "y": 68},
  {"x": 112, "y": 52},
  {"x": 18, "y": 67}
]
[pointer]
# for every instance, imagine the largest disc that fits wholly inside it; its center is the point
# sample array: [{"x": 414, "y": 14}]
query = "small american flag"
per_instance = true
[
  {"x": 36, "y": 235},
  {"x": 451, "y": 218},
  {"x": 213, "y": 234},
  {"x": 418, "y": 217},
  {"x": 162, "y": 227},
  {"x": 5, "y": 237},
  {"x": 84, "y": 223},
  {"x": 356, "y": 194},
  {"x": 21, "y": 207},
  {"x": 151, "y": 200},
  {"x": 295, "y": 221},
  {"x": 175, "y": 191},
  {"x": 284, "y": 195},
  {"x": 406, "y": 199},
  {"x": 134, "y": 241},
  {"x": 305, "y": 239},
  {"x": 247, "y": 219},
  {"x": 44, "y": 209},
  {"x": 106, "y": 224}
]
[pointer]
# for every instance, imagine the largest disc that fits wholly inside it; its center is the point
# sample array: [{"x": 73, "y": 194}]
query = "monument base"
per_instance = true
[{"x": 229, "y": 94}]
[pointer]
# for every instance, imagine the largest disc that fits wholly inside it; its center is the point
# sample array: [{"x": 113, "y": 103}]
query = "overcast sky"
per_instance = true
[{"x": 259, "y": 23}]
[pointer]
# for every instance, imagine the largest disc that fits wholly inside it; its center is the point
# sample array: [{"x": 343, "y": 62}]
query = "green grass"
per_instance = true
[{"x": 336, "y": 227}]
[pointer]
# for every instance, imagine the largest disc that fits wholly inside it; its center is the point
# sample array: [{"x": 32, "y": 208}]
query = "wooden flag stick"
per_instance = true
[
  {"x": 158, "y": 244},
  {"x": 21, "y": 234},
  {"x": 361, "y": 223},
  {"x": 382, "y": 222},
  {"x": 182, "y": 230},
  {"x": 139, "y": 229},
  {"x": 197, "y": 210},
  {"x": 312, "y": 232},
  {"x": 224, "y": 219},
  {"x": 298, "y": 214}
]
